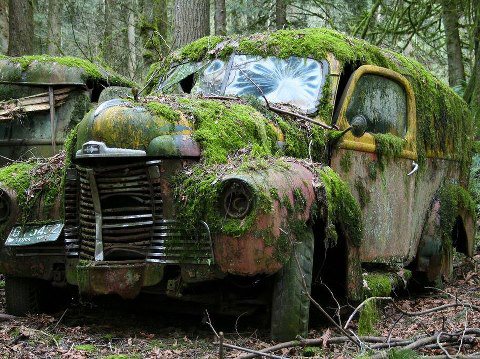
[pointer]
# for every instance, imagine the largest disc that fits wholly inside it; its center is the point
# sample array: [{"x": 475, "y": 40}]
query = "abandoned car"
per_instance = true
[
  {"x": 42, "y": 98},
  {"x": 257, "y": 168}
]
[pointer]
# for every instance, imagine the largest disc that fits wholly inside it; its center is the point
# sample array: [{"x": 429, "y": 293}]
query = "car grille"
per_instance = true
[{"x": 115, "y": 213}]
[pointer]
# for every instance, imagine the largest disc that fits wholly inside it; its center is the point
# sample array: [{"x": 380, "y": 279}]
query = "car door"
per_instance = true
[{"x": 380, "y": 177}]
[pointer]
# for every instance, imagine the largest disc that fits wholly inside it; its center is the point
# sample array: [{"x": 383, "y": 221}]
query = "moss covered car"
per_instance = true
[
  {"x": 42, "y": 98},
  {"x": 257, "y": 169}
]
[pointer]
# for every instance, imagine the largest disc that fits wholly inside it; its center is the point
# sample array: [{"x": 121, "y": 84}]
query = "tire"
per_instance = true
[
  {"x": 290, "y": 304},
  {"x": 23, "y": 295}
]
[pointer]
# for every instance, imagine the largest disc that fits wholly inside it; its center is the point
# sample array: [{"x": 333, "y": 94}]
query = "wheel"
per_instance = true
[
  {"x": 23, "y": 295},
  {"x": 290, "y": 304}
]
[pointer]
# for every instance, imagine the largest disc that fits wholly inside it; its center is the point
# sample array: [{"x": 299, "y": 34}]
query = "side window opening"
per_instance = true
[
  {"x": 459, "y": 236},
  {"x": 187, "y": 83},
  {"x": 347, "y": 72}
]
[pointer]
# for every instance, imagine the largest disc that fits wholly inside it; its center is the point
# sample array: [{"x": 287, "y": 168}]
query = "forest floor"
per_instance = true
[{"x": 116, "y": 329}]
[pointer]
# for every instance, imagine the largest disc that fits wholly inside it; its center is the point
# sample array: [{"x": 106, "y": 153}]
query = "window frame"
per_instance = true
[{"x": 366, "y": 143}]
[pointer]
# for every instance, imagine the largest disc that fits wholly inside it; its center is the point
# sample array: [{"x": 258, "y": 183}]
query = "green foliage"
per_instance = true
[
  {"x": 343, "y": 209},
  {"x": 402, "y": 354}
]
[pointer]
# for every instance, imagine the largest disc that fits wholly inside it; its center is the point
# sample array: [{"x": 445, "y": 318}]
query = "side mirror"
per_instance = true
[{"x": 358, "y": 125}]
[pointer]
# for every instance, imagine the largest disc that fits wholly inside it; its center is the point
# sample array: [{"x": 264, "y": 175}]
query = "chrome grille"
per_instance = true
[
  {"x": 70, "y": 230},
  {"x": 129, "y": 223},
  {"x": 170, "y": 245},
  {"x": 128, "y": 204}
]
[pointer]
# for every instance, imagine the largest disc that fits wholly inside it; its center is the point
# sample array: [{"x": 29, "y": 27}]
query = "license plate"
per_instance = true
[{"x": 34, "y": 234}]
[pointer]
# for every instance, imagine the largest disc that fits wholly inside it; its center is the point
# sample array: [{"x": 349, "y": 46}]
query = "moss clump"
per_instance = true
[
  {"x": 346, "y": 162},
  {"x": 35, "y": 183},
  {"x": 388, "y": 146},
  {"x": 222, "y": 129},
  {"x": 402, "y": 354},
  {"x": 369, "y": 317},
  {"x": 164, "y": 111},
  {"x": 453, "y": 198},
  {"x": 91, "y": 71},
  {"x": 89, "y": 348},
  {"x": 378, "y": 285},
  {"x": 198, "y": 190},
  {"x": 343, "y": 209}
]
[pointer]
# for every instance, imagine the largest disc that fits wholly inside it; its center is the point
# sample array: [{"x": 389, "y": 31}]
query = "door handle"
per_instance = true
[{"x": 415, "y": 168}]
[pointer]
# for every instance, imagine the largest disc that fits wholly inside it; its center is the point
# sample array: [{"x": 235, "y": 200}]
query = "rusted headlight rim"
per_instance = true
[{"x": 237, "y": 199}]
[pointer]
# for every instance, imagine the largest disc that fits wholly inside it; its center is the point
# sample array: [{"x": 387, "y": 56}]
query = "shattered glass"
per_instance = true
[
  {"x": 295, "y": 81},
  {"x": 211, "y": 79}
]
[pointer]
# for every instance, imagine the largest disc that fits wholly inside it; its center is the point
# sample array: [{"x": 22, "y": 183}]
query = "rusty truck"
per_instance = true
[{"x": 255, "y": 169}]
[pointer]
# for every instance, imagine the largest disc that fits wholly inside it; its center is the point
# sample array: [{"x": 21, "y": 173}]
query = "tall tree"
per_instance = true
[
  {"x": 131, "y": 44},
  {"x": 191, "y": 21},
  {"x": 3, "y": 26},
  {"x": 280, "y": 14},
  {"x": 20, "y": 27},
  {"x": 54, "y": 26},
  {"x": 108, "y": 30},
  {"x": 154, "y": 29},
  {"x": 220, "y": 18},
  {"x": 456, "y": 71},
  {"x": 472, "y": 91}
]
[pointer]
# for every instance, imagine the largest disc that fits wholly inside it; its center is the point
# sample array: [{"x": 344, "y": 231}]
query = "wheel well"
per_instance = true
[{"x": 459, "y": 236}]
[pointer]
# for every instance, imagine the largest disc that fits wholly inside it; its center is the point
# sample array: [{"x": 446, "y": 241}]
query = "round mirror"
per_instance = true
[{"x": 359, "y": 125}]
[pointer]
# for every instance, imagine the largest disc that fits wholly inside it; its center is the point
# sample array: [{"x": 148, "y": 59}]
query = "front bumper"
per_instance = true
[{"x": 128, "y": 280}]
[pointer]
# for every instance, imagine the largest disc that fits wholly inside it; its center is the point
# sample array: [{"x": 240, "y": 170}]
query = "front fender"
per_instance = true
[{"x": 267, "y": 245}]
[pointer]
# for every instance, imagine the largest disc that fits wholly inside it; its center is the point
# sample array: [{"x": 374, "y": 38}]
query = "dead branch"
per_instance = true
[{"x": 436, "y": 309}]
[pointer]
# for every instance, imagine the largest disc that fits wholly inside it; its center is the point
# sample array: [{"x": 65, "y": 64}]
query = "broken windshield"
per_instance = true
[{"x": 294, "y": 81}]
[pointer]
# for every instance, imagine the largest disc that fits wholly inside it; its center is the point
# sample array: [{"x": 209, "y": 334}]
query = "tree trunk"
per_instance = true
[
  {"x": 132, "y": 56},
  {"x": 220, "y": 18},
  {"x": 108, "y": 31},
  {"x": 3, "y": 26},
  {"x": 20, "y": 27},
  {"x": 456, "y": 71},
  {"x": 280, "y": 14},
  {"x": 54, "y": 27},
  {"x": 472, "y": 92},
  {"x": 191, "y": 21}
]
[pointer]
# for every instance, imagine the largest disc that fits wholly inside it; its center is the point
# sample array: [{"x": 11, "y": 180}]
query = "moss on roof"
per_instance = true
[
  {"x": 444, "y": 124},
  {"x": 45, "y": 68}
]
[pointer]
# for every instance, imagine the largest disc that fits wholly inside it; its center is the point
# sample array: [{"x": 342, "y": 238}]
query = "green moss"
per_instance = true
[
  {"x": 221, "y": 129},
  {"x": 91, "y": 70},
  {"x": 89, "y": 348},
  {"x": 369, "y": 317},
  {"x": 363, "y": 193},
  {"x": 343, "y": 209},
  {"x": 346, "y": 162},
  {"x": 387, "y": 147},
  {"x": 453, "y": 198},
  {"x": 379, "y": 285},
  {"x": 402, "y": 354},
  {"x": 164, "y": 111}
]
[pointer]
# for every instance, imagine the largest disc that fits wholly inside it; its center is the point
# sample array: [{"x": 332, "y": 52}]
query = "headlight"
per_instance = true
[
  {"x": 5, "y": 206},
  {"x": 237, "y": 199}
]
